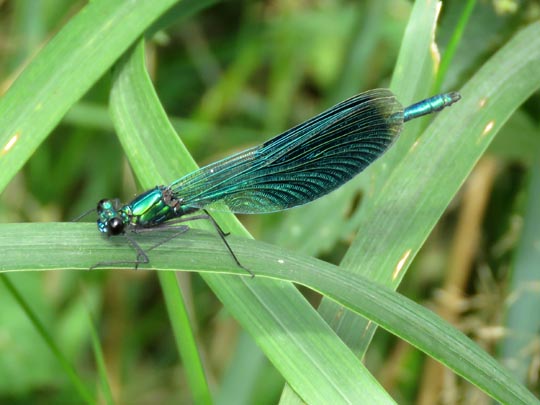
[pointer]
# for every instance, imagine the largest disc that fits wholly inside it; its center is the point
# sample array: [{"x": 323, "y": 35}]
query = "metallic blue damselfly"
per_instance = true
[{"x": 296, "y": 167}]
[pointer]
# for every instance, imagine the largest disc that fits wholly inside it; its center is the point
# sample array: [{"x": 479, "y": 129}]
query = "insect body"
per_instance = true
[{"x": 298, "y": 166}]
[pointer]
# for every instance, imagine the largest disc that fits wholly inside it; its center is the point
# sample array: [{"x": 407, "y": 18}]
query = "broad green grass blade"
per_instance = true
[
  {"x": 300, "y": 345},
  {"x": 72, "y": 375},
  {"x": 411, "y": 81},
  {"x": 64, "y": 70},
  {"x": 54, "y": 246},
  {"x": 417, "y": 192}
]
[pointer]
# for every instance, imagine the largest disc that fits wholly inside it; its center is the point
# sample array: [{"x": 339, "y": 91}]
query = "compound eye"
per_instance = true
[
  {"x": 115, "y": 226},
  {"x": 100, "y": 205}
]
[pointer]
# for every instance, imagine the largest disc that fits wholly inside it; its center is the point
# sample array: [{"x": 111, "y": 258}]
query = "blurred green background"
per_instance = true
[{"x": 231, "y": 76}]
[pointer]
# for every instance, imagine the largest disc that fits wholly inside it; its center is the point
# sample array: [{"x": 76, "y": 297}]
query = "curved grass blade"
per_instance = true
[
  {"x": 64, "y": 70},
  {"x": 55, "y": 246},
  {"x": 424, "y": 183},
  {"x": 412, "y": 78}
]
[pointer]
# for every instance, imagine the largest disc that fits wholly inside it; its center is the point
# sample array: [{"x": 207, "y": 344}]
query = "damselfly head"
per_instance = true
[{"x": 109, "y": 221}]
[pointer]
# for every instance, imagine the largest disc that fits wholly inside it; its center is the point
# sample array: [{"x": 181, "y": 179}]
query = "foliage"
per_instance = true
[{"x": 77, "y": 97}]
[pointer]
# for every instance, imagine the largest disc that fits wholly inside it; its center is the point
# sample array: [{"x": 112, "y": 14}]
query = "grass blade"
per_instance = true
[
  {"x": 64, "y": 70},
  {"x": 55, "y": 246}
]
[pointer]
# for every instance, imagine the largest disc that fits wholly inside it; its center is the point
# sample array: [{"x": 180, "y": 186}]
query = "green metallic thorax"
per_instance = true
[{"x": 151, "y": 208}]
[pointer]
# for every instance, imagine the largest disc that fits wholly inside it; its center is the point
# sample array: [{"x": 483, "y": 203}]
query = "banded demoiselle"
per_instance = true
[{"x": 296, "y": 167}]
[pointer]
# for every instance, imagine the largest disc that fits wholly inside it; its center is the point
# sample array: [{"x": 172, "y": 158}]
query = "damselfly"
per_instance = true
[{"x": 291, "y": 169}]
